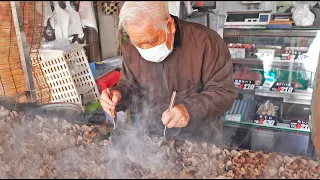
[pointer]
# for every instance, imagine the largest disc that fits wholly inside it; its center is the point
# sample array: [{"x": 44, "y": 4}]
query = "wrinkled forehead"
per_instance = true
[{"x": 143, "y": 30}]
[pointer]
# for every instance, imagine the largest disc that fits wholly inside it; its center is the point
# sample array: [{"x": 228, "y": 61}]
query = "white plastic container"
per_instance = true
[{"x": 69, "y": 75}]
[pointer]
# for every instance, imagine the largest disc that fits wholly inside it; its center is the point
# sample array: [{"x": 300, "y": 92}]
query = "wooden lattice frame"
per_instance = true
[
  {"x": 12, "y": 80},
  {"x": 33, "y": 13}
]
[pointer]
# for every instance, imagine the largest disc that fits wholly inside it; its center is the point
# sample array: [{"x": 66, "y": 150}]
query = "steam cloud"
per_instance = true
[{"x": 36, "y": 147}]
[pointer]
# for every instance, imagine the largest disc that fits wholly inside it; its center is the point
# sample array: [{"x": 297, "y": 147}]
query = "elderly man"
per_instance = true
[{"x": 165, "y": 54}]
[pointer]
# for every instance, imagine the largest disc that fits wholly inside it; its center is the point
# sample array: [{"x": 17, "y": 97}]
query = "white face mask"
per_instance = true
[{"x": 155, "y": 54}]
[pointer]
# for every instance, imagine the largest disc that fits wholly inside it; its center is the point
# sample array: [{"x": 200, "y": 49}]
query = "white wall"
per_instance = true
[
  {"x": 216, "y": 20},
  {"x": 224, "y": 6},
  {"x": 107, "y": 31}
]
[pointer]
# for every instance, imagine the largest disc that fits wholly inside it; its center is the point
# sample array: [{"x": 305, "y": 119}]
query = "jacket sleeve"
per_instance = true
[
  {"x": 127, "y": 85},
  {"x": 218, "y": 92}
]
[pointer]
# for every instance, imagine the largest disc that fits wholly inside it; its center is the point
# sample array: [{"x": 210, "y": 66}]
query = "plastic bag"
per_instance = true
[
  {"x": 188, "y": 7},
  {"x": 74, "y": 21},
  {"x": 267, "y": 109},
  {"x": 87, "y": 15},
  {"x": 174, "y": 8},
  {"x": 61, "y": 22},
  {"x": 47, "y": 12},
  {"x": 302, "y": 15}
]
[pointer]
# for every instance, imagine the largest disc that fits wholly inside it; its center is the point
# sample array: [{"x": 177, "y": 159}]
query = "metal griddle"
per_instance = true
[{"x": 68, "y": 111}]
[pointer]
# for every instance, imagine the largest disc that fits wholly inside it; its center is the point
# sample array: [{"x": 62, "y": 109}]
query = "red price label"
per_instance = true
[
  {"x": 246, "y": 86},
  {"x": 279, "y": 89},
  {"x": 298, "y": 124},
  {"x": 265, "y": 120},
  {"x": 285, "y": 89},
  {"x": 261, "y": 121}
]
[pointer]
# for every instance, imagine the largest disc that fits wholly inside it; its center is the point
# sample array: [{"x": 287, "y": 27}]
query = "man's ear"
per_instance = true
[{"x": 171, "y": 25}]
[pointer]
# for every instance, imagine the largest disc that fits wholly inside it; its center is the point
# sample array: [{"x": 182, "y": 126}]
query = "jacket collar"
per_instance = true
[{"x": 177, "y": 35}]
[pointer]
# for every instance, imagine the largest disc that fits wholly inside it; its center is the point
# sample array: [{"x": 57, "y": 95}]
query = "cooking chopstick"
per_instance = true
[
  {"x": 172, "y": 101},
  {"x": 113, "y": 112}
]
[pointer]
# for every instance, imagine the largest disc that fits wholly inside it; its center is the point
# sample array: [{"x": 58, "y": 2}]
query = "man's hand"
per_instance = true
[
  {"x": 110, "y": 101},
  {"x": 177, "y": 117}
]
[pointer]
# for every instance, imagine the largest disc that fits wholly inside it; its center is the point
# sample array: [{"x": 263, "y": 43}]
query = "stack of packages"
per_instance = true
[
  {"x": 281, "y": 21},
  {"x": 244, "y": 73}
]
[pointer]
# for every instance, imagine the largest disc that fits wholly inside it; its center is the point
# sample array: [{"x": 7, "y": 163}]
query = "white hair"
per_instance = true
[{"x": 136, "y": 12}]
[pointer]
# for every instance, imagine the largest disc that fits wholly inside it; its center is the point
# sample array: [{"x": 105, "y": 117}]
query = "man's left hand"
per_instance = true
[{"x": 177, "y": 117}]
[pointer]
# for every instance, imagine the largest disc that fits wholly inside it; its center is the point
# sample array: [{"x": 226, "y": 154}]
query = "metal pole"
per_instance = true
[{"x": 23, "y": 49}]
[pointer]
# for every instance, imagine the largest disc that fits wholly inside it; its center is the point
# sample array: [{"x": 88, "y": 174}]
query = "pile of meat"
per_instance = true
[
  {"x": 244, "y": 73},
  {"x": 36, "y": 147}
]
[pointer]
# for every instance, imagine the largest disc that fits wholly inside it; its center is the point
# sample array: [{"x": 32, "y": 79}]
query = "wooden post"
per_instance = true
[
  {"x": 315, "y": 123},
  {"x": 23, "y": 49}
]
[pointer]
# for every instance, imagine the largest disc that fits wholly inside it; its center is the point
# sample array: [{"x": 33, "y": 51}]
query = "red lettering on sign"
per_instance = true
[
  {"x": 298, "y": 126},
  {"x": 279, "y": 88},
  {"x": 261, "y": 121}
]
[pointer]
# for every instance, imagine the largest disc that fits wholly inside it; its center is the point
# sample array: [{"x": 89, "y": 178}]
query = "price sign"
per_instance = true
[
  {"x": 233, "y": 117},
  {"x": 266, "y": 54},
  {"x": 237, "y": 53},
  {"x": 282, "y": 87},
  {"x": 244, "y": 84},
  {"x": 265, "y": 120},
  {"x": 299, "y": 124},
  {"x": 293, "y": 54}
]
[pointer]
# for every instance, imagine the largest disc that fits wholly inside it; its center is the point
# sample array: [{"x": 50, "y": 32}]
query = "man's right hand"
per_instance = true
[{"x": 110, "y": 101}]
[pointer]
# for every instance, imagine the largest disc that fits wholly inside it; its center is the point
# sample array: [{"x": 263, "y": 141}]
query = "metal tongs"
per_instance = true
[{"x": 172, "y": 101}]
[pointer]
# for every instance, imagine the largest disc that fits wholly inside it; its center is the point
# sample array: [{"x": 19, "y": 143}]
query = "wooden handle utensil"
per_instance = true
[{"x": 114, "y": 112}]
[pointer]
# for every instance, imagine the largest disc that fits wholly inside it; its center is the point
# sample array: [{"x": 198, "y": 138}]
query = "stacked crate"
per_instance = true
[{"x": 69, "y": 75}]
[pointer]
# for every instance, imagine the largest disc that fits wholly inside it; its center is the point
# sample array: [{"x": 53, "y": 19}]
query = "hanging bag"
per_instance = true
[
  {"x": 302, "y": 15},
  {"x": 74, "y": 21}
]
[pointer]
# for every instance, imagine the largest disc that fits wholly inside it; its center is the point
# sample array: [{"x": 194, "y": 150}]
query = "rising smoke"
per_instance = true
[{"x": 35, "y": 147}]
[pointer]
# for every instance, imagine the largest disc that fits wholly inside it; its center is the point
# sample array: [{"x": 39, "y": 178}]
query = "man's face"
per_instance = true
[{"x": 146, "y": 37}]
